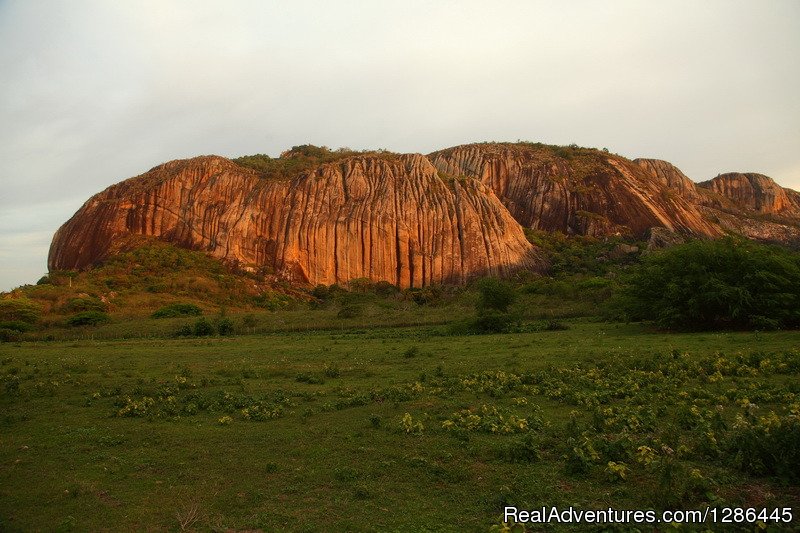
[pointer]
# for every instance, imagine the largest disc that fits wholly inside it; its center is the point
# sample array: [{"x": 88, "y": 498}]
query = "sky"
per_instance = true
[{"x": 93, "y": 92}]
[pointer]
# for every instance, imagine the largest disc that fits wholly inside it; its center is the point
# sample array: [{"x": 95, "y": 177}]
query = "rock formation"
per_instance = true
[
  {"x": 577, "y": 190},
  {"x": 384, "y": 218},
  {"x": 670, "y": 176},
  {"x": 329, "y": 217},
  {"x": 754, "y": 192}
]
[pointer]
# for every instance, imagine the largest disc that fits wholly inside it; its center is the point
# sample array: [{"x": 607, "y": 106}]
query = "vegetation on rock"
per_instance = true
[{"x": 299, "y": 159}]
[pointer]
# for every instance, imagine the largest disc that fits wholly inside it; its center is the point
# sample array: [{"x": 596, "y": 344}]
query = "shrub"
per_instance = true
[
  {"x": 185, "y": 330},
  {"x": 321, "y": 292},
  {"x": 350, "y": 311},
  {"x": 495, "y": 294},
  {"x": 177, "y": 309},
  {"x": 412, "y": 351},
  {"x": 423, "y": 296},
  {"x": 729, "y": 283},
  {"x": 225, "y": 326},
  {"x": 85, "y": 303},
  {"x": 249, "y": 321},
  {"x": 203, "y": 328},
  {"x": 311, "y": 379},
  {"x": 19, "y": 309},
  {"x": 271, "y": 301},
  {"x": 385, "y": 289},
  {"x": 491, "y": 321},
  {"x": 555, "y": 325},
  {"x": 331, "y": 371},
  {"x": 16, "y": 325},
  {"x": 9, "y": 335},
  {"x": 409, "y": 425},
  {"x": 360, "y": 285},
  {"x": 88, "y": 318}
]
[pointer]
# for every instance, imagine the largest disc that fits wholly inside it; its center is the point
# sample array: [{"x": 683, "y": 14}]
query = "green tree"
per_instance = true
[{"x": 728, "y": 283}]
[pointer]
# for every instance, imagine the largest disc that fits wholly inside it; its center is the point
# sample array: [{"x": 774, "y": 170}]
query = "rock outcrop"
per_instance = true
[
  {"x": 385, "y": 218},
  {"x": 670, "y": 176},
  {"x": 578, "y": 190},
  {"x": 316, "y": 216},
  {"x": 755, "y": 193}
]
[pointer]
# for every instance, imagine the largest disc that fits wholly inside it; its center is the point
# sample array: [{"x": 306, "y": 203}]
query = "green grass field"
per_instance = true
[{"x": 371, "y": 428}]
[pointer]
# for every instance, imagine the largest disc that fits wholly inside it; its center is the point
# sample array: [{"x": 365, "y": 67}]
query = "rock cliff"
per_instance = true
[
  {"x": 580, "y": 191},
  {"x": 755, "y": 193},
  {"x": 385, "y": 218},
  {"x": 317, "y": 216}
]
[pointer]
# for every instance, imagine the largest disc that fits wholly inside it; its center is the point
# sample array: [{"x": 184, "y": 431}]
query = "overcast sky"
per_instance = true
[{"x": 92, "y": 92}]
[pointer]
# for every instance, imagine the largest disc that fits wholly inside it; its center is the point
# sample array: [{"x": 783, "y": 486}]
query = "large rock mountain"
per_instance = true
[
  {"x": 382, "y": 217},
  {"x": 411, "y": 219}
]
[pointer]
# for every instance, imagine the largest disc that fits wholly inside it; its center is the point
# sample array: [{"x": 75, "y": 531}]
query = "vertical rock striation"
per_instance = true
[
  {"x": 385, "y": 218},
  {"x": 580, "y": 191},
  {"x": 415, "y": 220}
]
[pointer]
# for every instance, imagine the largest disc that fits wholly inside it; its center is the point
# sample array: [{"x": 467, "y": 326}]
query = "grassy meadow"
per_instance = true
[
  {"x": 162, "y": 392},
  {"x": 387, "y": 429}
]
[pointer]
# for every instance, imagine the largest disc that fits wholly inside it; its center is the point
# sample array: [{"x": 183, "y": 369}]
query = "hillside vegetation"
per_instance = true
[{"x": 145, "y": 291}]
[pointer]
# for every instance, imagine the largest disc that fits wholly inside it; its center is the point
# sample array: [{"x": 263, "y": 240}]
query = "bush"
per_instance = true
[
  {"x": 412, "y": 351},
  {"x": 86, "y": 303},
  {"x": 491, "y": 321},
  {"x": 203, "y": 328},
  {"x": 249, "y": 321},
  {"x": 555, "y": 325},
  {"x": 385, "y": 289},
  {"x": 492, "y": 316},
  {"x": 350, "y": 311},
  {"x": 704, "y": 285},
  {"x": 321, "y": 292},
  {"x": 423, "y": 296},
  {"x": 225, "y": 326},
  {"x": 185, "y": 330},
  {"x": 495, "y": 294},
  {"x": 178, "y": 309},
  {"x": 19, "y": 309},
  {"x": 331, "y": 371},
  {"x": 88, "y": 318},
  {"x": 524, "y": 449},
  {"x": 16, "y": 325},
  {"x": 9, "y": 335}
]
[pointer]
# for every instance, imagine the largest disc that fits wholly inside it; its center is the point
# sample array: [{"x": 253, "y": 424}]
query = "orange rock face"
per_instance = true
[
  {"x": 391, "y": 219},
  {"x": 414, "y": 220},
  {"x": 755, "y": 192},
  {"x": 579, "y": 191}
]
